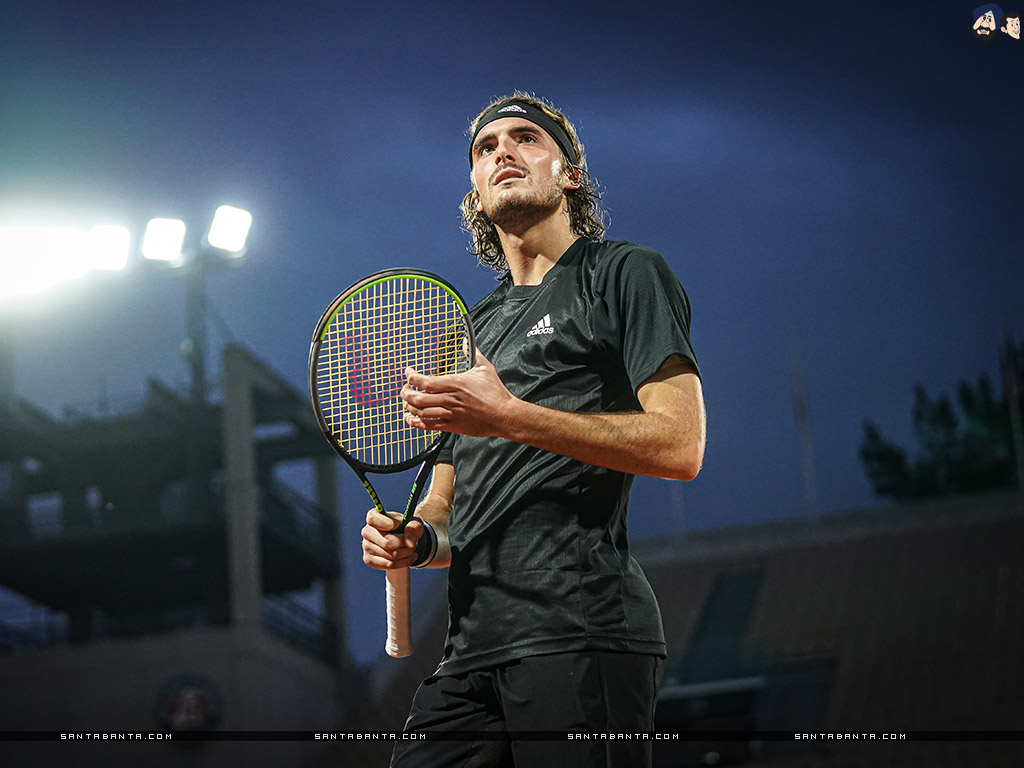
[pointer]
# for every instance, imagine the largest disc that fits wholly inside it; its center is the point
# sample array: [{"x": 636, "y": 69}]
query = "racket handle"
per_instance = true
[{"x": 399, "y": 622}]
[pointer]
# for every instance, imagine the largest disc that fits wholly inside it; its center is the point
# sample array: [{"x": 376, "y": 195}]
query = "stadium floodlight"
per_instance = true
[
  {"x": 107, "y": 247},
  {"x": 33, "y": 258},
  {"x": 27, "y": 257},
  {"x": 163, "y": 240},
  {"x": 229, "y": 229}
]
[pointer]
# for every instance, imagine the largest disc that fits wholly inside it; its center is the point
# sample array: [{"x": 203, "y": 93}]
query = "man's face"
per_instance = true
[
  {"x": 1012, "y": 28},
  {"x": 517, "y": 172},
  {"x": 985, "y": 25}
]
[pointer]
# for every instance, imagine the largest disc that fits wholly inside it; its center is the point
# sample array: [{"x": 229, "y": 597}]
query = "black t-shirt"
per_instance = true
[{"x": 540, "y": 558}]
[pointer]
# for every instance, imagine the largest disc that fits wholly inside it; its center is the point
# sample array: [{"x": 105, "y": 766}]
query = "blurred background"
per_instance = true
[{"x": 838, "y": 189}]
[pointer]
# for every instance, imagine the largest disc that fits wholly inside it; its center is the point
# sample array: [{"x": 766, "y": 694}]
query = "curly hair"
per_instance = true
[{"x": 587, "y": 216}]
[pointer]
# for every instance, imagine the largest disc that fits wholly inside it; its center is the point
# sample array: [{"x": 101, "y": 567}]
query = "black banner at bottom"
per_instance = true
[{"x": 684, "y": 736}]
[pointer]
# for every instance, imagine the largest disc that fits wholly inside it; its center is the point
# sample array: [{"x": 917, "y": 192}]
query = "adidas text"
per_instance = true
[{"x": 542, "y": 327}]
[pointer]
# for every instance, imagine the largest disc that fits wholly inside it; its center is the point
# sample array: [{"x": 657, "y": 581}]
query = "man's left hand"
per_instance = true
[{"x": 472, "y": 403}]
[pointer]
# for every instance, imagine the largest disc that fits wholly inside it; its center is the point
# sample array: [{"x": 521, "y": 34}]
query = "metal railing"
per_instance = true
[
  {"x": 293, "y": 516},
  {"x": 28, "y": 626},
  {"x": 300, "y": 626}
]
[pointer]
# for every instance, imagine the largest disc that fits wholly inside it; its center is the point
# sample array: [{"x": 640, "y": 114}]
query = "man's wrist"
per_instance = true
[{"x": 426, "y": 547}]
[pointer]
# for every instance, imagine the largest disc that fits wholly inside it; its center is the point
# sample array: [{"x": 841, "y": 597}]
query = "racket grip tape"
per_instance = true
[{"x": 399, "y": 643}]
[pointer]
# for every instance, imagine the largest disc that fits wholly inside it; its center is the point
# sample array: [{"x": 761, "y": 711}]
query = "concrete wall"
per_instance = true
[{"x": 116, "y": 685}]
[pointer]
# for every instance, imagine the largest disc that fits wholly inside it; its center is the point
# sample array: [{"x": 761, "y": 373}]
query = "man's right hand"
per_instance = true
[{"x": 385, "y": 550}]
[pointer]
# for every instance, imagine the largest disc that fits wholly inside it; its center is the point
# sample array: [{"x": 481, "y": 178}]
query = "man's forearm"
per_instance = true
[
  {"x": 665, "y": 439},
  {"x": 640, "y": 443}
]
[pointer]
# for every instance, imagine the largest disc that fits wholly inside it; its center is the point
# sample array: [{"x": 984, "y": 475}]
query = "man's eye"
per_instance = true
[{"x": 528, "y": 137}]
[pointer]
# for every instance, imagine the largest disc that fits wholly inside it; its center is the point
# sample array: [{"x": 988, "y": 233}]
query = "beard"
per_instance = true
[{"x": 520, "y": 212}]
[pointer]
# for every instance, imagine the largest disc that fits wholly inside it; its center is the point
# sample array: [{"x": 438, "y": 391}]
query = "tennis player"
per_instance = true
[{"x": 585, "y": 377}]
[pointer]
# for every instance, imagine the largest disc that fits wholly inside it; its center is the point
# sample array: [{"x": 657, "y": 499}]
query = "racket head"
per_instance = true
[{"x": 365, "y": 340}]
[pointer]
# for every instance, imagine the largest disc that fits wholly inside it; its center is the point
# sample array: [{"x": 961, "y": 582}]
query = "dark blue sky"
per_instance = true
[{"x": 845, "y": 181}]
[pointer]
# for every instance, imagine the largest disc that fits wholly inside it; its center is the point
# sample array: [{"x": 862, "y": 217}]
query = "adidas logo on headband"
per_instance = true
[{"x": 536, "y": 116}]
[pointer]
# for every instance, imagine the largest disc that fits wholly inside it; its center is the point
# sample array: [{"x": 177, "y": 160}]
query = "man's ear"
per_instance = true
[{"x": 573, "y": 177}]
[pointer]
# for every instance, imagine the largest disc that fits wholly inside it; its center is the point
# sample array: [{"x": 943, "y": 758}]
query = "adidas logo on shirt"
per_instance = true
[{"x": 542, "y": 327}]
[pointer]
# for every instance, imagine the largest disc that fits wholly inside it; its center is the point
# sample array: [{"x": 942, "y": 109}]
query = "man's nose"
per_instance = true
[{"x": 504, "y": 150}]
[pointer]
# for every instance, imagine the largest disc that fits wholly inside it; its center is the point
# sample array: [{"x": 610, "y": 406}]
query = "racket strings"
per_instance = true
[{"x": 378, "y": 332}]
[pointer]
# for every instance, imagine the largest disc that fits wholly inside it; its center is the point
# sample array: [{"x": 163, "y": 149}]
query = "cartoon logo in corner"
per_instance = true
[
  {"x": 989, "y": 21},
  {"x": 985, "y": 18},
  {"x": 1011, "y": 25}
]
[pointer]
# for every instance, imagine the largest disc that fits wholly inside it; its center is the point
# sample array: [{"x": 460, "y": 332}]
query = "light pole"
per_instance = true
[
  {"x": 6, "y": 367},
  {"x": 195, "y": 327},
  {"x": 224, "y": 242}
]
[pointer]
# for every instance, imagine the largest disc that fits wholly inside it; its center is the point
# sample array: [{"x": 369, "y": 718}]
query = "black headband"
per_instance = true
[{"x": 536, "y": 116}]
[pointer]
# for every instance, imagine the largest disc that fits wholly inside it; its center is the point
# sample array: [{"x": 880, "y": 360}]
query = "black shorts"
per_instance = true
[{"x": 581, "y": 692}]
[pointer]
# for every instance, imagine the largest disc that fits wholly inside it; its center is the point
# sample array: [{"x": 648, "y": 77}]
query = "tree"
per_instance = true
[{"x": 965, "y": 448}]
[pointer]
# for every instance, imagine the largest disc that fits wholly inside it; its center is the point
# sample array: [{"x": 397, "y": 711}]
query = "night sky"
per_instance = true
[{"x": 840, "y": 184}]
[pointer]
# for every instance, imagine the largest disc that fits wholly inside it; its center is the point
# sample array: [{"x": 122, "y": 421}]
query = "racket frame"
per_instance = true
[{"x": 399, "y": 642}]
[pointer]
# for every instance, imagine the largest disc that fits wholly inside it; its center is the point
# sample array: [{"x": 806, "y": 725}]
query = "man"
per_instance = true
[
  {"x": 585, "y": 377},
  {"x": 1011, "y": 25},
  {"x": 985, "y": 21}
]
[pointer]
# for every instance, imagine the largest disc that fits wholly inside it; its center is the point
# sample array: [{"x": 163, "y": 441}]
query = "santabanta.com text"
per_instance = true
[
  {"x": 370, "y": 736},
  {"x": 851, "y": 736},
  {"x": 116, "y": 736},
  {"x": 640, "y": 736}
]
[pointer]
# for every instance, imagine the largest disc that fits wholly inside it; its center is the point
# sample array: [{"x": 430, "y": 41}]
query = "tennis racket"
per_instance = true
[{"x": 362, "y": 345}]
